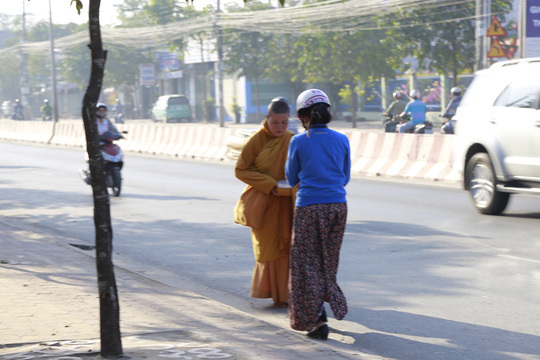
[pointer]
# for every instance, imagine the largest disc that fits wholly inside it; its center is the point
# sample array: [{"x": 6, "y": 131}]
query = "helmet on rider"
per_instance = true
[
  {"x": 46, "y": 101},
  {"x": 309, "y": 98},
  {"x": 397, "y": 95},
  {"x": 415, "y": 94},
  {"x": 455, "y": 91},
  {"x": 101, "y": 110}
]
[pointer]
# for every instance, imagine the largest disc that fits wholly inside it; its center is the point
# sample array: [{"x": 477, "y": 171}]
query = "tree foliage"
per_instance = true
[{"x": 446, "y": 47}]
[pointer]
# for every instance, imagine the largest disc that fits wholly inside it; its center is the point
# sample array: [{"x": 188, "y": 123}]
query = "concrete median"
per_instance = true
[{"x": 427, "y": 157}]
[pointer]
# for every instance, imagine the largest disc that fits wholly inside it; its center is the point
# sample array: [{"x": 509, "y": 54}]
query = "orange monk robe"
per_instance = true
[{"x": 256, "y": 167}]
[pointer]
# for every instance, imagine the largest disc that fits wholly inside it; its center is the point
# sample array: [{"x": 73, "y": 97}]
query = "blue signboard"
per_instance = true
[
  {"x": 533, "y": 18},
  {"x": 168, "y": 61}
]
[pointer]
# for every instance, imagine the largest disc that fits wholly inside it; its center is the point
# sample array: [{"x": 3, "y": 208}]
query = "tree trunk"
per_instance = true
[
  {"x": 354, "y": 102},
  {"x": 111, "y": 342}
]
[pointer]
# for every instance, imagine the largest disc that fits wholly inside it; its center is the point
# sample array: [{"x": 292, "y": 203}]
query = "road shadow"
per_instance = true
[
  {"x": 402, "y": 229},
  {"x": 406, "y": 336}
]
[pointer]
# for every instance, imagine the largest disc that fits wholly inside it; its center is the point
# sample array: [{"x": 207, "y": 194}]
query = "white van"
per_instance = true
[{"x": 497, "y": 134}]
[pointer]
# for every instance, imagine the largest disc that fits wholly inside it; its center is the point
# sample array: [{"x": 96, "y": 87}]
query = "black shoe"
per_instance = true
[
  {"x": 320, "y": 333},
  {"x": 323, "y": 317}
]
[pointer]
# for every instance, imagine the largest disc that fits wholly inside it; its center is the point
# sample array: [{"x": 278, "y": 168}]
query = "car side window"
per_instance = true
[
  {"x": 523, "y": 92},
  {"x": 178, "y": 101}
]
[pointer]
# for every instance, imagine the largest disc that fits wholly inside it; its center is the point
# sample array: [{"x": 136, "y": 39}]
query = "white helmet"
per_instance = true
[
  {"x": 415, "y": 94},
  {"x": 310, "y": 97},
  {"x": 455, "y": 91}
]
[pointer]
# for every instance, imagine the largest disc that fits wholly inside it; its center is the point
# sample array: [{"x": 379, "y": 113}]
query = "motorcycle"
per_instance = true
[
  {"x": 113, "y": 156},
  {"x": 447, "y": 126},
  {"x": 119, "y": 118},
  {"x": 17, "y": 114},
  {"x": 425, "y": 127},
  {"x": 389, "y": 123}
]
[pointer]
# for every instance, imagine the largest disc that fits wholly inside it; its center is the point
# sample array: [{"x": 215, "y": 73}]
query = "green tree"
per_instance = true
[
  {"x": 446, "y": 47},
  {"x": 248, "y": 53},
  {"x": 283, "y": 66},
  {"x": 348, "y": 57}
]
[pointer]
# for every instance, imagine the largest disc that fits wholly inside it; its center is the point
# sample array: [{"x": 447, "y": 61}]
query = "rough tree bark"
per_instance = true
[{"x": 111, "y": 342}]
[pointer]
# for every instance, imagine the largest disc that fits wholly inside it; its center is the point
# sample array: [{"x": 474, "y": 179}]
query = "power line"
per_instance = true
[{"x": 327, "y": 16}]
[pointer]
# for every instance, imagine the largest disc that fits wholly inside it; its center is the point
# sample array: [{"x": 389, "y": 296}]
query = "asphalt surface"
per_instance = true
[{"x": 50, "y": 310}]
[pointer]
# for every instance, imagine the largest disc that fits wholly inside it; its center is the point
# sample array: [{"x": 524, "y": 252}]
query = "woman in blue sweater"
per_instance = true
[{"x": 319, "y": 160}]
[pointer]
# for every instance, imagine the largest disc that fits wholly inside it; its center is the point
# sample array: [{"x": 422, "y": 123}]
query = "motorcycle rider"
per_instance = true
[
  {"x": 18, "y": 110},
  {"x": 393, "y": 111},
  {"x": 107, "y": 133},
  {"x": 106, "y": 130},
  {"x": 119, "y": 112},
  {"x": 46, "y": 110},
  {"x": 447, "y": 127},
  {"x": 417, "y": 109}
]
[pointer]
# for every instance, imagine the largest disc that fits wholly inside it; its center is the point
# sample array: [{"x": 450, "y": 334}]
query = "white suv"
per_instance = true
[{"x": 497, "y": 134}]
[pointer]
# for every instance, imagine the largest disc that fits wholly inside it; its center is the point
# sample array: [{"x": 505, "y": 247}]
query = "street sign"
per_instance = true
[
  {"x": 496, "y": 50},
  {"x": 496, "y": 29}
]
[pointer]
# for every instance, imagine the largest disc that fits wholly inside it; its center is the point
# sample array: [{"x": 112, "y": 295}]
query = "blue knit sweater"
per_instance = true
[{"x": 321, "y": 164}]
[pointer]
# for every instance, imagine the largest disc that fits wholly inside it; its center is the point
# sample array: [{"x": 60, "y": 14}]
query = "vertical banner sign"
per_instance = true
[
  {"x": 532, "y": 28},
  {"x": 147, "y": 75}
]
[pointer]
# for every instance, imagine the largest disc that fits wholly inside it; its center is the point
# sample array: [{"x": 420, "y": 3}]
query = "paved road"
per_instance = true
[{"x": 425, "y": 275}]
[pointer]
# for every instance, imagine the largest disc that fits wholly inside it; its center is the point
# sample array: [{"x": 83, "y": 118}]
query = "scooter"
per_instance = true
[
  {"x": 447, "y": 126},
  {"x": 113, "y": 156},
  {"x": 17, "y": 114},
  {"x": 425, "y": 127},
  {"x": 389, "y": 123},
  {"x": 119, "y": 118}
]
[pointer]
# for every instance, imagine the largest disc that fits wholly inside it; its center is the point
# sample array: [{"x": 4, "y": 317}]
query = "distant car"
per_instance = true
[
  {"x": 497, "y": 134},
  {"x": 172, "y": 108}
]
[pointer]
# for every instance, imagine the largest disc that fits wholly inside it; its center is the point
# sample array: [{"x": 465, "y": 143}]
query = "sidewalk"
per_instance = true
[{"x": 50, "y": 310}]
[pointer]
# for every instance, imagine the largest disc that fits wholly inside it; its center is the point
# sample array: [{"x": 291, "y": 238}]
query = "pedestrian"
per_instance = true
[
  {"x": 319, "y": 160},
  {"x": 261, "y": 165},
  {"x": 417, "y": 109}
]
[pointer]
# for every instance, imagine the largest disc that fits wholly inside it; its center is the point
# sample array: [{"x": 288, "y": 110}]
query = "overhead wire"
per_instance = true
[{"x": 326, "y": 16}]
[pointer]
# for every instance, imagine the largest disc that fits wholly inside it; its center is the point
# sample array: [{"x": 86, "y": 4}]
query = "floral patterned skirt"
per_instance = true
[{"x": 317, "y": 236}]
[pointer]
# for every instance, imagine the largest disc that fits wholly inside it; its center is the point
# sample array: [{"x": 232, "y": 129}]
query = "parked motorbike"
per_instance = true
[
  {"x": 113, "y": 156},
  {"x": 425, "y": 127}
]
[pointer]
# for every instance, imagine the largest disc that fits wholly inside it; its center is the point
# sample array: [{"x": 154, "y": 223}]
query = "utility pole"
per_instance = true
[
  {"x": 53, "y": 67},
  {"x": 479, "y": 35},
  {"x": 220, "y": 68},
  {"x": 24, "y": 69},
  {"x": 522, "y": 23},
  {"x": 487, "y": 40}
]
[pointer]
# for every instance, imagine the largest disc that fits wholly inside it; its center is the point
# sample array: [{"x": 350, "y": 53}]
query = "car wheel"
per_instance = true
[{"x": 482, "y": 185}]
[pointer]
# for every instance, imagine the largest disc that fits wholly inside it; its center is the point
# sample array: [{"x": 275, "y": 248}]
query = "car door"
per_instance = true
[{"x": 516, "y": 124}]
